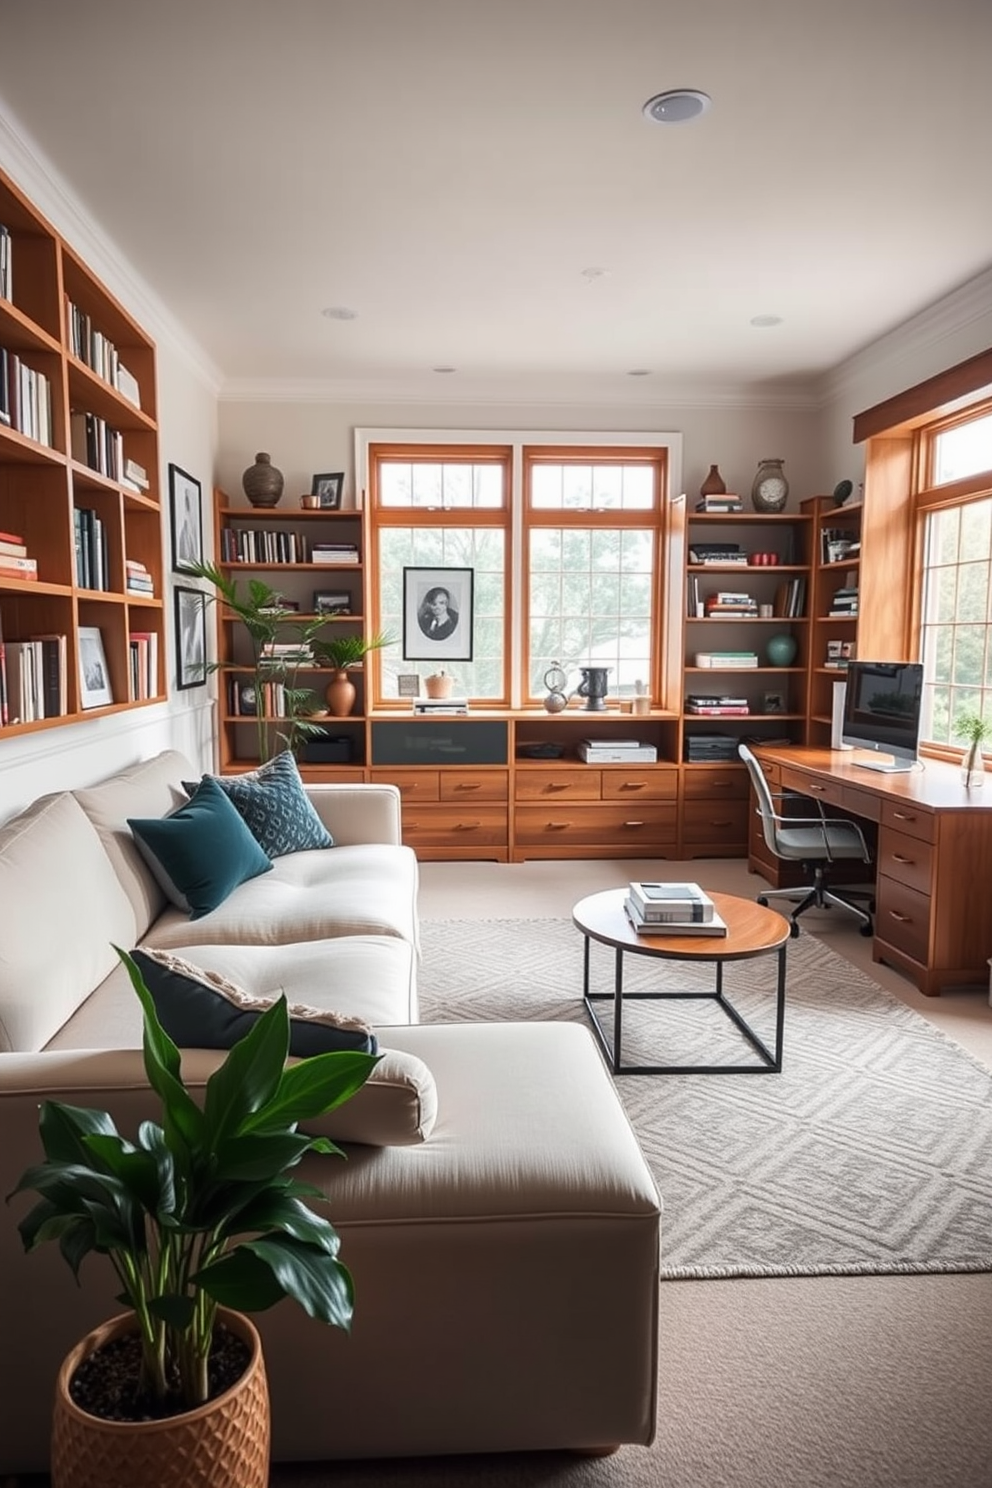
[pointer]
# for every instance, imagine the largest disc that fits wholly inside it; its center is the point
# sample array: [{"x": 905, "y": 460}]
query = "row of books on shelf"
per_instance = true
[
  {"x": 6, "y": 266},
  {"x": 94, "y": 443},
  {"x": 243, "y": 698},
  {"x": 672, "y": 909},
  {"x": 33, "y": 680},
  {"x": 99, "y": 353},
  {"x": 844, "y": 604},
  {"x": 92, "y": 549},
  {"x": 790, "y": 598},
  {"x": 15, "y": 562},
  {"x": 143, "y": 664},
  {"x": 726, "y": 660},
  {"x": 25, "y": 398}
]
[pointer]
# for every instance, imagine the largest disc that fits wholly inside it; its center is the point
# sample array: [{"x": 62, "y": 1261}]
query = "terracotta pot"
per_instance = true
[
  {"x": 438, "y": 686},
  {"x": 340, "y": 694},
  {"x": 223, "y": 1444}
]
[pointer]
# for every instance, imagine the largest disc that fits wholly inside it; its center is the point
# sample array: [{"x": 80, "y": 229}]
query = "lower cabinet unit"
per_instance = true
[
  {"x": 584, "y": 812},
  {"x": 714, "y": 811}
]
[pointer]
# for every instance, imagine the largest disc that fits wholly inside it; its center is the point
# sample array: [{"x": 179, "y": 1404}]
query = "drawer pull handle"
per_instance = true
[
  {"x": 558, "y": 785},
  {"x": 903, "y": 919},
  {"x": 468, "y": 826},
  {"x": 633, "y": 785},
  {"x": 904, "y": 815},
  {"x": 720, "y": 784},
  {"x": 898, "y": 858},
  {"x": 464, "y": 785},
  {"x": 818, "y": 790},
  {"x": 558, "y": 826},
  {"x": 634, "y": 824}
]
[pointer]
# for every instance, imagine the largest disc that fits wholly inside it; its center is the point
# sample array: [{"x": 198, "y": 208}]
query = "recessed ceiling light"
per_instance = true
[
  {"x": 444, "y": 369},
  {"x": 766, "y": 320},
  {"x": 676, "y": 106},
  {"x": 640, "y": 372},
  {"x": 339, "y": 312},
  {"x": 595, "y": 273}
]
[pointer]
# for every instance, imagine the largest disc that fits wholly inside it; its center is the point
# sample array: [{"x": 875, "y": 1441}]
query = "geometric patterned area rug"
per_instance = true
[{"x": 871, "y": 1151}]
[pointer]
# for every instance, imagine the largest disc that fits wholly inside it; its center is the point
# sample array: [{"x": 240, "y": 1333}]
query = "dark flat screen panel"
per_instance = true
[{"x": 433, "y": 743}]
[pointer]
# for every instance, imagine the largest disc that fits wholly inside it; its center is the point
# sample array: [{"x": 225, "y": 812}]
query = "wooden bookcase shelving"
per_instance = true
[{"x": 44, "y": 483}]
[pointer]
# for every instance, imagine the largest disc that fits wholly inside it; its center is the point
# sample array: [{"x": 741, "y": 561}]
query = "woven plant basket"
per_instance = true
[{"x": 223, "y": 1444}]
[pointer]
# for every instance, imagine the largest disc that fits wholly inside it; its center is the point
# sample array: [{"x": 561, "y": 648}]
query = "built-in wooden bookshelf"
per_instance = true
[{"x": 50, "y": 490}]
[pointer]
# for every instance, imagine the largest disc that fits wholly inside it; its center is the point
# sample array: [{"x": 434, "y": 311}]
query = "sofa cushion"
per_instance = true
[
  {"x": 201, "y": 1009},
  {"x": 62, "y": 908},
  {"x": 202, "y": 851},
  {"x": 275, "y": 806},
  {"x": 149, "y": 788}
]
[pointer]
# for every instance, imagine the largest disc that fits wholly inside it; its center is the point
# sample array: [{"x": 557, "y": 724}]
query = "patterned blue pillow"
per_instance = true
[{"x": 275, "y": 807}]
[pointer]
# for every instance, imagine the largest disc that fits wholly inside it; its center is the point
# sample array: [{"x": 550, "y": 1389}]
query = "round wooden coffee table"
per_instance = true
[{"x": 752, "y": 930}]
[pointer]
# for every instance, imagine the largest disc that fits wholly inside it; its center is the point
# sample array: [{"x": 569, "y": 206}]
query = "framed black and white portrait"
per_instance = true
[
  {"x": 186, "y": 511},
  {"x": 437, "y": 614},
  {"x": 329, "y": 489},
  {"x": 94, "y": 676},
  {"x": 191, "y": 637}
]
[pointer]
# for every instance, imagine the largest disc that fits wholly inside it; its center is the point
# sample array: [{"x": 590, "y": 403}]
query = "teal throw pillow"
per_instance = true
[
  {"x": 201, "y": 851},
  {"x": 201, "y": 1010},
  {"x": 274, "y": 804}
]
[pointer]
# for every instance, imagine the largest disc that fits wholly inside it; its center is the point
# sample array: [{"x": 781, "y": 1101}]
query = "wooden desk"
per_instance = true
[{"x": 933, "y": 919}]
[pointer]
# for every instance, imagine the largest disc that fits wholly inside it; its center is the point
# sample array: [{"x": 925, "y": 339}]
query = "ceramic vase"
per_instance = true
[
  {"x": 973, "y": 767},
  {"x": 781, "y": 650},
  {"x": 262, "y": 482},
  {"x": 438, "y": 685},
  {"x": 340, "y": 694},
  {"x": 714, "y": 484}
]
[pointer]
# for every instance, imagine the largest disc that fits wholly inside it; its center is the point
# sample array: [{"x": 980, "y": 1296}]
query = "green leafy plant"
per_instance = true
[
  {"x": 342, "y": 651},
  {"x": 268, "y": 622},
  {"x": 201, "y": 1210},
  {"x": 973, "y": 727}
]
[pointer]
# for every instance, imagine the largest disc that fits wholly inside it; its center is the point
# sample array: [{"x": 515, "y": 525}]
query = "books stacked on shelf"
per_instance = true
[
  {"x": 255, "y": 545},
  {"x": 726, "y": 660},
  {"x": 728, "y": 502},
  {"x": 135, "y": 476},
  {"x": 714, "y": 704},
  {"x": 838, "y": 544},
  {"x": 710, "y": 749},
  {"x": 672, "y": 909},
  {"x": 428, "y": 705},
  {"x": 790, "y": 599},
  {"x": 286, "y": 654},
  {"x": 99, "y": 353},
  {"x": 14, "y": 560},
  {"x": 95, "y": 444},
  {"x": 36, "y": 680},
  {"x": 137, "y": 577},
  {"x": 25, "y": 398},
  {"x": 328, "y": 552},
  {"x": 616, "y": 752},
  {"x": 242, "y": 698},
  {"x": 844, "y": 604},
  {"x": 839, "y": 653},
  {"x": 717, "y": 554},
  {"x": 143, "y": 664},
  {"x": 92, "y": 558},
  {"x": 6, "y": 267},
  {"x": 730, "y": 604}
]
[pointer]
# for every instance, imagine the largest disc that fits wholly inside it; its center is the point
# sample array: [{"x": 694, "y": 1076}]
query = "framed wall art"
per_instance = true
[
  {"x": 329, "y": 490},
  {"x": 437, "y": 614},
  {"x": 94, "y": 677},
  {"x": 191, "y": 637},
  {"x": 186, "y": 512}
]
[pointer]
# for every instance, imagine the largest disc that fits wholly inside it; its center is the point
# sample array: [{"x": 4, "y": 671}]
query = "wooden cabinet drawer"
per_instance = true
[
  {"x": 903, "y": 918},
  {"x": 715, "y": 821},
  {"x": 456, "y": 827},
  {"x": 811, "y": 785},
  {"x": 622, "y": 784},
  {"x": 905, "y": 817},
  {"x": 563, "y": 784},
  {"x": 771, "y": 772},
  {"x": 570, "y": 827},
  {"x": 413, "y": 785},
  {"x": 474, "y": 785},
  {"x": 713, "y": 785},
  {"x": 861, "y": 803},
  {"x": 906, "y": 859}
]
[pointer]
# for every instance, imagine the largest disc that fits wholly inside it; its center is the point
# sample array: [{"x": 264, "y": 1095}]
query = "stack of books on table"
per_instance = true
[
  {"x": 440, "y": 705},
  {"x": 715, "y": 704},
  {"x": 728, "y": 502},
  {"x": 672, "y": 909},
  {"x": 616, "y": 752}
]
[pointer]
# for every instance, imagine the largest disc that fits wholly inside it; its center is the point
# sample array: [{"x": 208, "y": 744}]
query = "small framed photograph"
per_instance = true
[
  {"x": 191, "y": 637},
  {"x": 408, "y": 684},
  {"x": 94, "y": 677},
  {"x": 437, "y": 614},
  {"x": 773, "y": 702},
  {"x": 186, "y": 510},
  {"x": 331, "y": 602},
  {"x": 245, "y": 700},
  {"x": 329, "y": 490}
]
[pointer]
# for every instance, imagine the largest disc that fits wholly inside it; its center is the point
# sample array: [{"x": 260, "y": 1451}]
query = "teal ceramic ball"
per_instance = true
[{"x": 781, "y": 650}]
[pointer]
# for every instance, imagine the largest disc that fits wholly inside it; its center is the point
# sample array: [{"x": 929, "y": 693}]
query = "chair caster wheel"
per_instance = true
[
  {"x": 866, "y": 930},
  {"x": 794, "y": 929},
  {"x": 762, "y": 900}
]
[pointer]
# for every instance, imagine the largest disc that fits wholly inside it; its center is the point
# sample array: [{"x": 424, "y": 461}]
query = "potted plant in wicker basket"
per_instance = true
[{"x": 202, "y": 1220}]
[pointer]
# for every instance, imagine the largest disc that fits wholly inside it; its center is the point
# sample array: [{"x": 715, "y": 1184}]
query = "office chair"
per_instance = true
[{"x": 814, "y": 841}]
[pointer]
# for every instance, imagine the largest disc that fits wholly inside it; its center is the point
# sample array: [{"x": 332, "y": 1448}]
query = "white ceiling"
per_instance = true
[{"x": 449, "y": 168}]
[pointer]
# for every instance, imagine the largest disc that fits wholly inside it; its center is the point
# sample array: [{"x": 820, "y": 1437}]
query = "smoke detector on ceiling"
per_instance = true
[{"x": 676, "y": 106}]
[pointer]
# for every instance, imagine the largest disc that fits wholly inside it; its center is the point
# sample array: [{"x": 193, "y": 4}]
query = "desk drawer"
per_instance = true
[
  {"x": 717, "y": 785},
  {"x": 460, "y": 827},
  {"x": 903, "y": 918},
  {"x": 474, "y": 785},
  {"x": 413, "y": 785},
  {"x": 861, "y": 803},
  {"x": 905, "y": 817},
  {"x": 623, "y": 826},
  {"x": 715, "y": 821},
  {"x": 817, "y": 787},
  {"x": 907, "y": 860},
  {"x": 563, "y": 784},
  {"x": 621, "y": 784}
]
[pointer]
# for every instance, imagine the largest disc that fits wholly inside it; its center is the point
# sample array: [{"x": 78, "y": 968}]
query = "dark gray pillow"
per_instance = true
[
  {"x": 200, "y": 1010},
  {"x": 274, "y": 806}
]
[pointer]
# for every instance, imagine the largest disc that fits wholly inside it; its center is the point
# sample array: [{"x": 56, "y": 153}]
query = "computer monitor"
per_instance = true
[{"x": 882, "y": 712}]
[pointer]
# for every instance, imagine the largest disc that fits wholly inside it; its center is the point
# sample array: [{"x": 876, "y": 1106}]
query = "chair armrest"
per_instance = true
[{"x": 355, "y": 814}]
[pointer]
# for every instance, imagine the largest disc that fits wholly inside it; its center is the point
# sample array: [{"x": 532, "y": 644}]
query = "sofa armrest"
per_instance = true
[{"x": 356, "y": 814}]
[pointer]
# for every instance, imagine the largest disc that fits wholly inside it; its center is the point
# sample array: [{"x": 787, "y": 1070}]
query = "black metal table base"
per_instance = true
[{"x": 770, "y": 1061}]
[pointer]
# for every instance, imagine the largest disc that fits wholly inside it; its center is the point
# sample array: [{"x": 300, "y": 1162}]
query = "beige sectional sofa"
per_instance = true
[{"x": 494, "y": 1208}]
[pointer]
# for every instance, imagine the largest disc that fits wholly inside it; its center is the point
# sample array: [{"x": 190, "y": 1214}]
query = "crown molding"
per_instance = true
[{"x": 53, "y": 197}]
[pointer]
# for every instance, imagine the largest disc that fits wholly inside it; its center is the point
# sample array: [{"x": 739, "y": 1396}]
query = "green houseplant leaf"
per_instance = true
[{"x": 201, "y": 1210}]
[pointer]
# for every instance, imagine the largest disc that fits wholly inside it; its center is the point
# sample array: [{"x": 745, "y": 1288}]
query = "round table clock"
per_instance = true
[{"x": 770, "y": 489}]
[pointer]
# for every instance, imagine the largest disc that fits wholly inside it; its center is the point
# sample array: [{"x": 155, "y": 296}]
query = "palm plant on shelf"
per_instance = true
[
  {"x": 340, "y": 653},
  {"x": 269, "y": 623}
]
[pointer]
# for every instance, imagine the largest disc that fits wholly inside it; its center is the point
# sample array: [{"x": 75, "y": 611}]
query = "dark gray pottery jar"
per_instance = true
[{"x": 262, "y": 482}]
